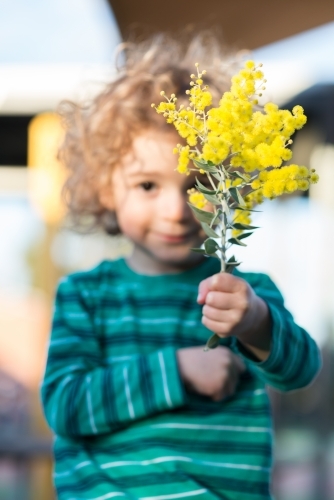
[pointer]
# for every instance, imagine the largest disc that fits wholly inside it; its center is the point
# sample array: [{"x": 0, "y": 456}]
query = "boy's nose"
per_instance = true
[{"x": 176, "y": 207}]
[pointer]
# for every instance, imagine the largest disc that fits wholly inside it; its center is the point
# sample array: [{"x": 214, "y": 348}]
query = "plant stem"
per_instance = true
[
  {"x": 223, "y": 247},
  {"x": 224, "y": 226}
]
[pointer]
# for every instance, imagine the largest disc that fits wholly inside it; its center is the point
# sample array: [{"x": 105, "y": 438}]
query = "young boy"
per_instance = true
[{"x": 139, "y": 410}]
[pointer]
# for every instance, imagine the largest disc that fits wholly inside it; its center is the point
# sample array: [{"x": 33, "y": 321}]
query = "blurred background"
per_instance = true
[{"x": 65, "y": 49}]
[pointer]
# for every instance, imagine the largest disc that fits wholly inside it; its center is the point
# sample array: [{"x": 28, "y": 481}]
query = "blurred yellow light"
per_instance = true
[{"x": 46, "y": 173}]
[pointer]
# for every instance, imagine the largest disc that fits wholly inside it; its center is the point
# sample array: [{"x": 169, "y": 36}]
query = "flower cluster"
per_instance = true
[
  {"x": 252, "y": 139},
  {"x": 197, "y": 199},
  {"x": 284, "y": 180},
  {"x": 241, "y": 148}
]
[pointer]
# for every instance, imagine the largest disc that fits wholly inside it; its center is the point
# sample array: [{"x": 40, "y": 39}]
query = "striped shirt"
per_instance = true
[{"x": 124, "y": 424}]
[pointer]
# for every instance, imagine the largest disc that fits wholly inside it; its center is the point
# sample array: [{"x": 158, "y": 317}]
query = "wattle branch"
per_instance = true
[{"x": 241, "y": 150}]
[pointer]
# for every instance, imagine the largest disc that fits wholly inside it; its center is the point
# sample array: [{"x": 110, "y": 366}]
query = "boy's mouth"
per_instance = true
[{"x": 177, "y": 238}]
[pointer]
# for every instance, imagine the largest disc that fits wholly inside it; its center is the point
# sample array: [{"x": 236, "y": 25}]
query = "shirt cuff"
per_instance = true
[{"x": 168, "y": 387}]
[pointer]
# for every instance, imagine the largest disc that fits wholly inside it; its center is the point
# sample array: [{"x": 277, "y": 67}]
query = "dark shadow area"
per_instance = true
[{"x": 14, "y": 139}]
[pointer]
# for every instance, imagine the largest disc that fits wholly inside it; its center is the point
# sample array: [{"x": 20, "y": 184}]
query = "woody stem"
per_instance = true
[{"x": 224, "y": 224}]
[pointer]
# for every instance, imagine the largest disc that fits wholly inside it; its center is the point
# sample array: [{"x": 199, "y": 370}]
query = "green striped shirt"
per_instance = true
[{"x": 124, "y": 424}]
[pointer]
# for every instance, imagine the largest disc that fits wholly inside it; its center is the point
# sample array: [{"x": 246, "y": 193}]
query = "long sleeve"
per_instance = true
[
  {"x": 84, "y": 396},
  {"x": 294, "y": 359}
]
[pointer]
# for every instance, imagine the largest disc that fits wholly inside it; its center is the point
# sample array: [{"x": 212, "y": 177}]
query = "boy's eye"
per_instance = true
[{"x": 147, "y": 186}]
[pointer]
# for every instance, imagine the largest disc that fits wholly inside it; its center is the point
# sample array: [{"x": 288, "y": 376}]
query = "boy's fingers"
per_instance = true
[
  {"x": 222, "y": 315},
  {"x": 222, "y": 282},
  {"x": 225, "y": 301},
  {"x": 203, "y": 290},
  {"x": 225, "y": 282},
  {"x": 221, "y": 329}
]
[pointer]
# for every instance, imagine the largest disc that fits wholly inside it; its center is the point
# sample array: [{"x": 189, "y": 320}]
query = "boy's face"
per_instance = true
[{"x": 150, "y": 200}]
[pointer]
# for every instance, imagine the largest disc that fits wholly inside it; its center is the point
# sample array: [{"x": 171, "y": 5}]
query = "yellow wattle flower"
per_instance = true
[
  {"x": 303, "y": 171},
  {"x": 197, "y": 199},
  {"x": 184, "y": 160},
  {"x": 291, "y": 186},
  {"x": 314, "y": 178},
  {"x": 256, "y": 184},
  {"x": 303, "y": 184},
  {"x": 250, "y": 64}
]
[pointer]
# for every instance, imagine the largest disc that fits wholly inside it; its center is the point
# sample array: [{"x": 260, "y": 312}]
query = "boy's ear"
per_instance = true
[{"x": 106, "y": 198}]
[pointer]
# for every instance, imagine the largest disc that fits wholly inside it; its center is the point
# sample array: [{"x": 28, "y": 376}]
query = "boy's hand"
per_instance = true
[
  {"x": 231, "y": 307},
  {"x": 214, "y": 373}
]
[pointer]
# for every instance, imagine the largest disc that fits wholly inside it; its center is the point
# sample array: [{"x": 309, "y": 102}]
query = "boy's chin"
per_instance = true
[
  {"x": 181, "y": 260},
  {"x": 164, "y": 259}
]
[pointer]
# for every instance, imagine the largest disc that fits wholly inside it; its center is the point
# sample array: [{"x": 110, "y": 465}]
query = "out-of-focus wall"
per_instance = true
[{"x": 33, "y": 256}]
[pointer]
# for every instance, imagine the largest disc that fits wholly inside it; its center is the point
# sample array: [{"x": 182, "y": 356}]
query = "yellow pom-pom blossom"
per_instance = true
[
  {"x": 200, "y": 98},
  {"x": 184, "y": 159},
  {"x": 303, "y": 184},
  {"x": 197, "y": 199},
  {"x": 314, "y": 178}
]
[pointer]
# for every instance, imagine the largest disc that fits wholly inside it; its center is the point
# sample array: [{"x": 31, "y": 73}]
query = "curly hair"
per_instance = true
[{"x": 99, "y": 134}]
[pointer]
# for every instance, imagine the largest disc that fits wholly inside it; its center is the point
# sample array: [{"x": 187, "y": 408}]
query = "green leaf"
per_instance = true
[
  {"x": 235, "y": 241},
  {"x": 216, "y": 218},
  {"x": 231, "y": 264},
  {"x": 238, "y": 225},
  {"x": 244, "y": 235},
  {"x": 203, "y": 189},
  {"x": 230, "y": 267},
  {"x": 234, "y": 192},
  {"x": 209, "y": 231},
  {"x": 201, "y": 215},
  {"x": 239, "y": 207},
  {"x": 212, "y": 199},
  {"x": 205, "y": 166},
  {"x": 211, "y": 246},
  {"x": 199, "y": 250},
  {"x": 203, "y": 252},
  {"x": 238, "y": 174},
  {"x": 217, "y": 176},
  {"x": 199, "y": 163},
  {"x": 226, "y": 207},
  {"x": 212, "y": 342}
]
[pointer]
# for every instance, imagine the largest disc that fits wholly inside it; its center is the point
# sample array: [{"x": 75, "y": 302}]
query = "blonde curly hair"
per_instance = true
[{"x": 98, "y": 135}]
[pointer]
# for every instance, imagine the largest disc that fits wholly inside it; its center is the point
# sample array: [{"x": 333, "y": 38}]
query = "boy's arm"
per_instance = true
[
  {"x": 81, "y": 397},
  {"x": 294, "y": 358},
  {"x": 281, "y": 352}
]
